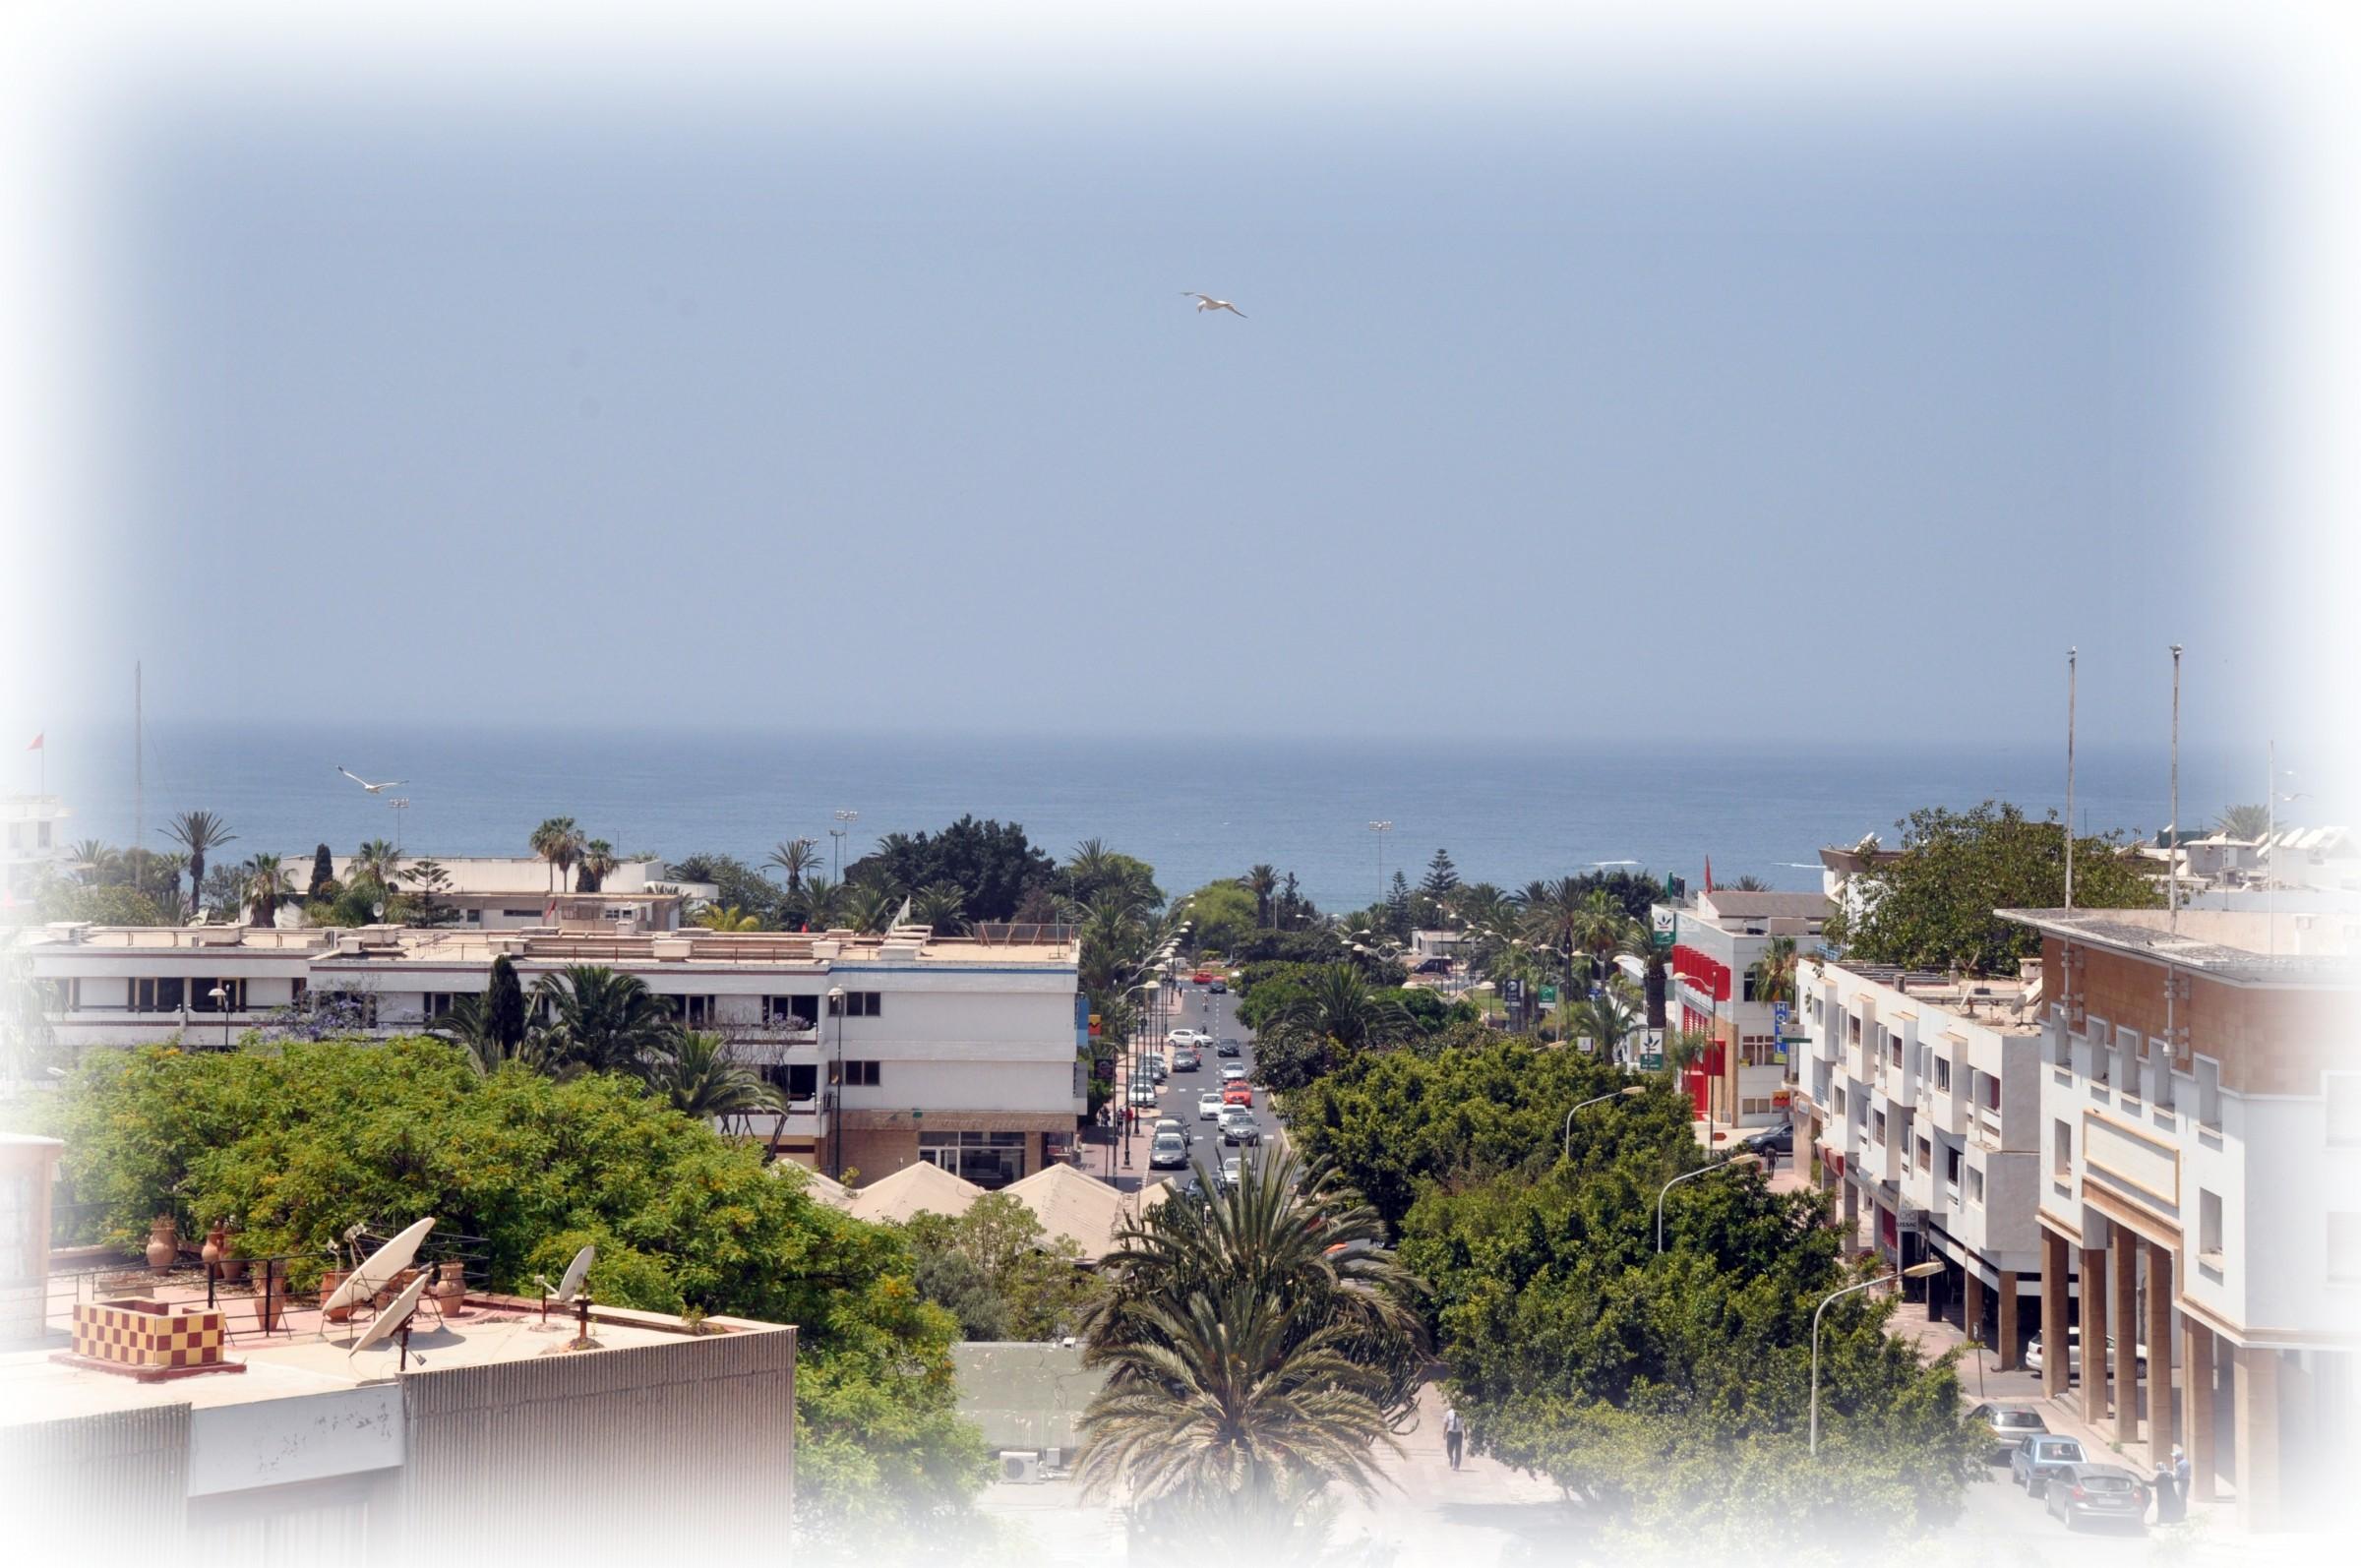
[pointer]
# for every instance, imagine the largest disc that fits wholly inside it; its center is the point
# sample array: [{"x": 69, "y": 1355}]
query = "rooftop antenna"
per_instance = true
[
  {"x": 2174, "y": 865},
  {"x": 577, "y": 1273},
  {"x": 2070, "y": 671},
  {"x": 365, "y": 1281},
  {"x": 394, "y": 1319}
]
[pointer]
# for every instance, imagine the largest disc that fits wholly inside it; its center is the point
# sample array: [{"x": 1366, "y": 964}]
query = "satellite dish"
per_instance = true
[
  {"x": 378, "y": 1273},
  {"x": 392, "y": 1317},
  {"x": 575, "y": 1273}
]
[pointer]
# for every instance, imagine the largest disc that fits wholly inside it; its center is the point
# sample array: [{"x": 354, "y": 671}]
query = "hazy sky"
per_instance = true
[{"x": 1669, "y": 418}]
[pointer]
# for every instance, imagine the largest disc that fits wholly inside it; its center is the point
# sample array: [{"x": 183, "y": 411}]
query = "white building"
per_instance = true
[
  {"x": 1717, "y": 946},
  {"x": 516, "y": 893},
  {"x": 33, "y": 843},
  {"x": 1919, "y": 1097},
  {"x": 894, "y": 1049}
]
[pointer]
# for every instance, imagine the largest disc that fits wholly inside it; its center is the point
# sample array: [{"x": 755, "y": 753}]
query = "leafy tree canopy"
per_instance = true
[
  {"x": 997, "y": 1271},
  {"x": 992, "y": 862}
]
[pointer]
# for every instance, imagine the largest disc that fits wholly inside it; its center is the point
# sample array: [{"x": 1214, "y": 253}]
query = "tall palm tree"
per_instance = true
[
  {"x": 1264, "y": 882},
  {"x": 1554, "y": 915},
  {"x": 1338, "y": 1004},
  {"x": 1748, "y": 884},
  {"x": 1774, "y": 971},
  {"x": 700, "y": 1080},
  {"x": 796, "y": 857},
  {"x": 376, "y": 861},
  {"x": 1607, "y": 1019},
  {"x": 200, "y": 833},
  {"x": 2249, "y": 822},
  {"x": 265, "y": 885},
  {"x": 717, "y": 917},
  {"x": 817, "y": 902},
  {"x": 1259, "y": 1346},
  {"x": 94, "y": 861},
  {"x": 870, "y": 908},
  {"x": 940, "y": 907},
  {"x": 553, "y": 842},
  {"x": 597, "y": 864},
  {"x": 605, "y": 1021}
]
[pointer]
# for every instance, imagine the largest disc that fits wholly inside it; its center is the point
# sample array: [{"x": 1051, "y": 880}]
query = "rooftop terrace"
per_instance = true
[{"x": 1005, "y": 944}]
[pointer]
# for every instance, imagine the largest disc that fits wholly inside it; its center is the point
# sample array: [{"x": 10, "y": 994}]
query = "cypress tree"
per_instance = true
[
  {"x": 324, "y": 872},
  {"x": 504, "y": 1004}
]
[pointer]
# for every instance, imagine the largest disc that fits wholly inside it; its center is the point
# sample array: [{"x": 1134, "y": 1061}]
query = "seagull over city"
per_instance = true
[
  {"x": 373, "y": 789},
  {"x": 1206, "y": 302}
]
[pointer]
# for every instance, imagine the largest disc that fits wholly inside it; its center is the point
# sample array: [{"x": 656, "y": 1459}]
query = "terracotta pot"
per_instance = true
[
  {"x": 233, "y": 1267},
  {"x": 328, "y": 1288},
  {"x": 216, "y": 1246},
  {"x": 450, "y": 1285},
  {"x": 163, "y": 1244}
]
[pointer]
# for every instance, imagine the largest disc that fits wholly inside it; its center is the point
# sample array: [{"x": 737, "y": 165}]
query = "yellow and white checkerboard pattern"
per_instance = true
[{"x": 147, "y": 1334}]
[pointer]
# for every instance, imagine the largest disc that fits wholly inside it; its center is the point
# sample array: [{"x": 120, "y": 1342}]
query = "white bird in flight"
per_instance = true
[
  {"x": 1206, "y": 302},
  {"x": 373, "y": 789}
]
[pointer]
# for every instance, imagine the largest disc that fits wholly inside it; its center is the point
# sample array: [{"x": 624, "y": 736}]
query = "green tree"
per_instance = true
[
  {"x": 503, "y": 1003},
  {"x": 596, "y": 863},
  {"x": 796, "y": 857},
  {"x": 602, "y": 1020},
  {"x": 265, "y": 885},
  {"x": 554, "y": 841},
  {"x": 1335, "y": 1017},
  {"x": 323, "y": 874},
  {"x": 939, "y": 907},
  {"x": 430, "y": 886},
  {"x": 1933, "y": 907},
  {"x": 198, "y": 834},
  {"x": 698, "y": 1079},
  {"x": 997, "y": 1271},
  {"x": 376, "y": 861},
  {"x": 727, "y": 917},
  {"x": 2249, "y": 822},
  {"x": 1264, "y": 882},
  {"x": 993, "y": 861}
]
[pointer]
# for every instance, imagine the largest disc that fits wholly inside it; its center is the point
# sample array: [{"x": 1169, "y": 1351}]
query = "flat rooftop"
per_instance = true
[
  {"x": 1047, "y": 945},
  {"x": 2283, "y": 946},
  {"x": 2002, "y": 1004}
]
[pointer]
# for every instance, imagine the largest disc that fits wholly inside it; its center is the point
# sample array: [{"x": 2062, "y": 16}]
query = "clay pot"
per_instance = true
[
  {"x": 450, "y": 1285},
  {"x": 163, "y": 1244},
  {"x": 328, "y": 1288},
  {"x": 216, "y": 1247},
  {"x": 233, "y": 1267}
]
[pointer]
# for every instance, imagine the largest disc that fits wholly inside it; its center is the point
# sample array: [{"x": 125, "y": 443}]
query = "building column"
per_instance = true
[
  {"x": 2094, "y": 1335},
  {"x": 2124, "y": 1257},
  {"x": 2257, "y": 1404},
  {"x": 1852, "y": 1210},
  {"x": 2159, "y": 1351},
  {"x": 2196, "y": 1407},
  {"x": 2011, "y": 1352},
  {"x": 2054, "y": 1286},
  {"x": 1972, "y": 1305}
]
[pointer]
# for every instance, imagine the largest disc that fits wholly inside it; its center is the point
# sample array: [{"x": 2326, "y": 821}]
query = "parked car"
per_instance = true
[
  {"x": 2074, "y": 1353},
  {"x": 2009, "y": 1424},
  {"x": 1218, "y": 988},
  {"x": 1168, "y": 1153},
  {"x": 2079, "y": 1493},
  {"x": 1238, "y": 1092},
  {"x": 1143, "y": 1093},
  {"x": 1232, "y": 1071},
  {"x": 1174, "y": 1124},
  {"x": 2037, "y": 1460},
  {"x": 1157, "y": 1069},
  {"x": 1239, "y": 1125},
  {"x": 1186, "y": 1037},
  {"x": 1228, "y": 1047},
  {"x": 1230, "y": 1172},
  {"x": 1773, "y": 1140},
  {"x": 1209, "y": 1106}
]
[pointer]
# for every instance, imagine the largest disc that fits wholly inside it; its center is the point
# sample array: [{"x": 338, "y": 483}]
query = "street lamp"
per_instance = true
[
  {"x": 1621, "y": 1093},
  {"x": 1729, "y": 1164},
  {"x": 1382, "y": 829},
  {"x": 836, "y": 1089},
  {"x": 221, "y": 999},
  {"x": 1916, "y": 1271},
  {"x": 844, "y": 823}
]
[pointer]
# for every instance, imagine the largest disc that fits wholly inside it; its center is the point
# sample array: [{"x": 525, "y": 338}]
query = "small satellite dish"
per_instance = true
[
  {"x": 378, "y": 1273},
  {"x": 576, "y": 1273},
  {"x": 392, "y": 1317}
]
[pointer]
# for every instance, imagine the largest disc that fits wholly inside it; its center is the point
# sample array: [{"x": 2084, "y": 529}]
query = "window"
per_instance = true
[
  {"x": 1976, "y": 1185},
  {"x": 1943, "y": 1076},
  {"x": 987, "y": 1159},
  {"x": 162, "y": 994},
  {"x": 1893, "y": 1047},
  {"x": 1926, "y": 1155},
  {"x": 1877, "y": 1122},
  {"x": 1852, "y": 1028},
  {"x": 2061, "y": 1148},
  {"x": 1755, "y": 1106},
  {"x": 1991, "y": 1091},
  {"x": 791, "y": 1012},
  {"x": 475, "y": 917},
  {"x": 438, "y": 1004},
  {"x": 857, "y": 1005},
  {"x": 1759, "y": 1050},
  {"x": 1951, "y": 1161},
  {"x": 859, "y": 1075},
  {"x": 2208, "y": 1226},
  {"x": 2209, "y": 1095},
  {"x": 521, "y": 914},
  {"x": 62, "y": 996},
  {"x": 798, "y": 1081},
  {"x": 694, "y": 1012},
  {"x": 200, "y": 995},
  {"x": 1746, "y": 990},
  {"x": 1840, "y": 1098}
]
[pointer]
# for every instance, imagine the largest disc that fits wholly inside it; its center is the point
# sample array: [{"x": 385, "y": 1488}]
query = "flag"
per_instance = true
[
  {"x": 36, "y": 745},
  {"x": 1709, "y": 873}
]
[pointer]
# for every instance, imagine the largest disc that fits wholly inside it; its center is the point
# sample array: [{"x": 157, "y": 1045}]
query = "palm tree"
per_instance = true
[
  {"x": 1774, "y": 971},
  {"x": 701, "y": 1081},
  {"x": 1338, "y": 1004},
  {"x": 597, "y": 864},
  {"x": 1556, "y": 915},
  {"x": 164, "y": 871},
  {"x": 93, "y": 862},
  {"x": 605, "y": 1021},
  {"x": 715, "y": 916},
  {"x": 553, "y": 842},
  {"x": 1259, "y": 1346},
  {"x": 1607, "y": 1019},
  {"x": 940, "y": 907},
  {"x": 265, "y": 885},
  {"x": 377, "y": 861},
  {"x": 815, "y": 905},
  {"x": 2249, "y": 822},
  {"x": 1749, "y": 884},
  {"x": 198, "y": 834},
  {"x": 796, "y": 857},
  {"x": 1264, "y": 882},
  {"x": 870, "y": 908}
]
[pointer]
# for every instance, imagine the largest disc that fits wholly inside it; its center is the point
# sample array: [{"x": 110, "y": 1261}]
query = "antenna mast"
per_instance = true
[
  {"x": 2070, "y": 662},
  {"x": 2174, "y": 864},
  {"x": 139, "y": 761}
]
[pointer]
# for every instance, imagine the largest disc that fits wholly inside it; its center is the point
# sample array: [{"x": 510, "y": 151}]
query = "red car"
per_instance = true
[
  {"x": 1238, "y": 1092},
  {"x": 1203, "y": 977}
]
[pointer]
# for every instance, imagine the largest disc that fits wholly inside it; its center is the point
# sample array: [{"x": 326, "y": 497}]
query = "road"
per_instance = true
[{"x": 1198, "y": 1009}]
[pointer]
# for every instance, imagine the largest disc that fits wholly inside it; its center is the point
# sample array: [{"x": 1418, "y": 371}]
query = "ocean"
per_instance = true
[{"x": 1197, "y": 809}]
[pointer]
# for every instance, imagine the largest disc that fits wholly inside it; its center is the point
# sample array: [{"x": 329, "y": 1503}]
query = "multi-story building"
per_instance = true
[
  {"x": 503, "y": 892},
  {"x": 2198, "y": 1169},
  {"x": 892, "y": 1049},
  {"x": 1918, "y": 1098},
  {"x": 33, "y": 844},
  {"x": 1717, "y": 946}
]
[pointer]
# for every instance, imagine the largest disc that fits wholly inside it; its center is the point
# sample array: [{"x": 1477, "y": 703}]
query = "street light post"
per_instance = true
[
  {"x": 1382, "y": 829},
  {"x": 221, "y": 999},
  {"x": 1731, "y": 1164},
  {"x": 844, "y": 824},
  {"x": 1916, "y": 1271},
  {"x": 1567, "y": 1153}
]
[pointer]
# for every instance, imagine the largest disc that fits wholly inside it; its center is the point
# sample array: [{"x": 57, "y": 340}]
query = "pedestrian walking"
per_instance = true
[
  {"x": 2168, "y": 1494},
  {"x": 1453, "y": 1434},
  {"x": 2181, "y": 1474}
]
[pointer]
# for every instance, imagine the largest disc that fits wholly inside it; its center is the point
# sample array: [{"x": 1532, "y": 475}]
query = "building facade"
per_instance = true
[
  {"x": 891, "y": 1049},
  {"x": 1713, "y": 990},
  {"x": 2200, "y": 1167},
  {"x": 33, "y": 846}
]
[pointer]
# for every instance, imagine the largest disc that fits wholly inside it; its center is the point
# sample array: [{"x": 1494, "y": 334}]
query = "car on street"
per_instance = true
[
  {"x": 1157, "y": 1069},
  {"x": 1176, "y": 1126},
  {"x": 1168, "y": 1153},
  {"x": 1186, "y": 1037},
  {"x": 2038, "y": 1459},
  {"x": 1239, "y": 1125},
  {"x": 1232, "y": 1071},
  {"x": 1773, "y": 1140},
  {"x": 1218, "y": 988},
  {"x": 1143, "y": 1093},
  {"x": 2009, "y": 1425},
  {"x": 2078, "y": 1493},
  {"x": 1187, "y": 1059},
  {"x": 1228, "y": 1047},
  {"x": 1230, "y": 1171},
  {"x": 2073, "y": 1351},
  {"x": 1238, "y": 1092},
  {"x": 1209, "y": 1106}
]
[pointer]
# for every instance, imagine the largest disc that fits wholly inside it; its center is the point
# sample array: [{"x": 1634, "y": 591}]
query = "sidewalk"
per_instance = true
[{"x": 1480, "y": 1508}]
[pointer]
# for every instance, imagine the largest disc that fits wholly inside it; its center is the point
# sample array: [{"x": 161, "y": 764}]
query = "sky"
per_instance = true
[{"x": 877, "y": 403}]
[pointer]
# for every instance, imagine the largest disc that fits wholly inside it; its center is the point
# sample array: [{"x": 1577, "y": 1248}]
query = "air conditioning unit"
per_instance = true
[{"x": 1021, "y": 1464}]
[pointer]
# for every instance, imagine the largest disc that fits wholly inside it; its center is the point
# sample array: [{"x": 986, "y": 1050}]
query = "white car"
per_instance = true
[
  {"x": 1230, "y": 1172},
  {"x": 1143, "y": 1093},
  {"x": 2074, "y": 1353},
  {"x": 1233, "y": 1072},
  {"x": 1176, "y": 1126},
  {"x": 1188, "y": 1037},
  {"x": 1209, "y": 1106}
]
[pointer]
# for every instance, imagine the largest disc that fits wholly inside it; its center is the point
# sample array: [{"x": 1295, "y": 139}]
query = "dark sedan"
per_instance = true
[{"x": 2078, "y": 1493}]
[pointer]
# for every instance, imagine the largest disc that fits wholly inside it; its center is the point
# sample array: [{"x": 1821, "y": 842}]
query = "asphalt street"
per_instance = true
[{"x": 1198, "y": 1009}]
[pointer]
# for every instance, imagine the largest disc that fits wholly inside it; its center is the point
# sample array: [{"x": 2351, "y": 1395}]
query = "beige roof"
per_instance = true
[
  {"x": 1083, "y": 1208},
  {"x": 922, "y": 1189},
  {"x": 822, "y": 1188}
]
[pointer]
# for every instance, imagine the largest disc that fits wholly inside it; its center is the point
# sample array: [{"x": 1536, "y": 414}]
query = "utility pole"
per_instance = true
[
  {"x": 139, "y": 763},
  {"x": 2174, "y": 898},
  {"x": 2070, "y": 671}
]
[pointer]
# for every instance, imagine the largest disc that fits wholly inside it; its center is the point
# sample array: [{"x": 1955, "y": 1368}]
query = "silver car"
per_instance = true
[{"x": 1170, "y": 1152}]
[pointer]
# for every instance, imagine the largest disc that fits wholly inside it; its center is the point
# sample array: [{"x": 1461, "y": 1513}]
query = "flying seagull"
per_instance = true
[
  {"x": 373, "y": 789},
  {"x": 1206, "y": 302}
]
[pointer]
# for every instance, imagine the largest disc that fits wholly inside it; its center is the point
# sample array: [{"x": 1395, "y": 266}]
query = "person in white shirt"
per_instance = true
[{"x": 1453, "y": 1434}]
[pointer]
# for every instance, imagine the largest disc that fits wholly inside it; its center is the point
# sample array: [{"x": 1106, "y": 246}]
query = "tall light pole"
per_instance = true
[
  {"x": 2071, "y": 655},
  {"x": 1916, "y": 1271},
  {"x": 844, "y": 823},
  {"x": 402, "y": 812},
  {"x": 1731, "y": 1163},
  {"x": 2173, "y": 866},
  {"x": 836, "y": 1090},
  {"x": 1382, "y": 829},
  {"x": 1567, "y": 1153}
]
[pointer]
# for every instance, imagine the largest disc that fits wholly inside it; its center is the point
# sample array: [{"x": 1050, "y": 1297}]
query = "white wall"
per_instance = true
[{"x": 273, "y": 1442}]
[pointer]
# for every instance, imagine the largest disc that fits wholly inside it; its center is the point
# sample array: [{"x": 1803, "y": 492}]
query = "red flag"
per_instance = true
[
  {"x": 37, "y": 742},
  {"x": 1709, "y": 873}
]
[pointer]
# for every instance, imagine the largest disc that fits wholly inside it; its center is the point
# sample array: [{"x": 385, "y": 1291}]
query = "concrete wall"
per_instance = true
[{"x": 109, "y": 1489}]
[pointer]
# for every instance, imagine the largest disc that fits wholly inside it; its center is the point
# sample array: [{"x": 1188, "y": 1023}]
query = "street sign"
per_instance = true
[
  {"x": 1652, "y": 1050},
  {"x": 1662, "y": 926},
  {"x": 1549, "y": 995},
  {"x": 1778, "y": 1033},
  {"x": 1583, "y": 1043}
]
